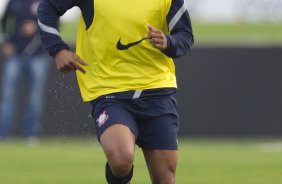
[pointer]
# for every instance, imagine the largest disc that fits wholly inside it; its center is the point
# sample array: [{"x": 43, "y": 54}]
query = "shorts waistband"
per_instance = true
[{"x": 136, "y": 94}]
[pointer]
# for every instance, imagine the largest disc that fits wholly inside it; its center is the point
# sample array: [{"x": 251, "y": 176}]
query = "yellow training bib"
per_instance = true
[{"x": 118, "y": 53}]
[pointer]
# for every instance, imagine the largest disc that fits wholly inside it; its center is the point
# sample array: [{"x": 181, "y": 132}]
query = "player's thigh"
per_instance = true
[
  {"x": 116, "y": 130},
  {"x": 161, "y": 165},
  {"x": 118, "y": 142}
]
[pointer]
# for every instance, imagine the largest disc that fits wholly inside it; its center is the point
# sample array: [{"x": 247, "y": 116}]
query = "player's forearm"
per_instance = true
[
  {"x": 49, "y": 12},
  {"x": 181, "y": 39}
]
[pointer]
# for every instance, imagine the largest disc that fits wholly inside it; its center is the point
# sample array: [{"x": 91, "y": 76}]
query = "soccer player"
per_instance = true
[{"x": 125, "y": 69}]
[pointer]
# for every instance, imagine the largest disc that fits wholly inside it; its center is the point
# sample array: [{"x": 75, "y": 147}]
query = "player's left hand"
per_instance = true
[{"x": 157, "y": 38}]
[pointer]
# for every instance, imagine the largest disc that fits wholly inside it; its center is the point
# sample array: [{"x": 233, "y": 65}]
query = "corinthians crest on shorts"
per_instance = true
[{"x": 102, "y": 118}]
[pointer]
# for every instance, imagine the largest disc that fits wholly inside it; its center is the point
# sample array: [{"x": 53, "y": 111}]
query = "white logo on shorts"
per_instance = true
[{"x": 102, "y": 119}]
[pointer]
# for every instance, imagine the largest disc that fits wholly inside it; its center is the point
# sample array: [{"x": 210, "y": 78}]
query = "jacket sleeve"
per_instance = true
[
  {"x": 49, "y": 12},
  {"x": 6, "y": 35},
  {"x": 181, "y": 39}
]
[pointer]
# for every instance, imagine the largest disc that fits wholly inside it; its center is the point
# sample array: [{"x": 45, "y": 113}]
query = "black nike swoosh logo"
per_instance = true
[{"x": 121, "y": 46}]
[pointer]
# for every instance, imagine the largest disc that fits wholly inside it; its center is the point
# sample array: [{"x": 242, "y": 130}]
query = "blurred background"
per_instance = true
[{"x": 229, "y": 95}]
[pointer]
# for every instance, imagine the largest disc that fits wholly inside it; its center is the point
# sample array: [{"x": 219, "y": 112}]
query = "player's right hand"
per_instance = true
[{"x": 67, "y": 61}]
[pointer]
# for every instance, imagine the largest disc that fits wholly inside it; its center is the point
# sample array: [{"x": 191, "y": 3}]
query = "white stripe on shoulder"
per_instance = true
[
  {"x": 48, "y": 29},
  {"x": 177, "y": 16}
]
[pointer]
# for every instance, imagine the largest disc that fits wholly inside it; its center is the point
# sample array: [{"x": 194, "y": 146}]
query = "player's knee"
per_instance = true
[{"x": 121, "y": 163}]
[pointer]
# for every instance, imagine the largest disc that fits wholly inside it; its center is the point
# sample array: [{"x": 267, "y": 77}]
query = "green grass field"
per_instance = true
[
  {"x": 201, "y": 161},
  {"x": 261, "y": 34}
]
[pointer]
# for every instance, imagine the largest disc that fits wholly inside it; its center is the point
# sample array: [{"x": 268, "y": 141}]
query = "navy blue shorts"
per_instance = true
[{"x": 151, "y": 115}]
